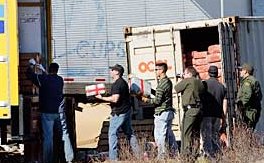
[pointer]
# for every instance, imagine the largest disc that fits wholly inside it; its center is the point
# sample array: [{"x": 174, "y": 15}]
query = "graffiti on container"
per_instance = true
[
  {"x": 75, "y": 9},
  {"x": 149, "y": 66},
  {"x": 100, "y": 15},
  {"x": 95, "y": 49},
  {"x": 72, "y": 72}
]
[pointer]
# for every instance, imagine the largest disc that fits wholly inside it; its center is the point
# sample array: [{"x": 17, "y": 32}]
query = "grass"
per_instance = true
[{"x": 246, "y": 148}]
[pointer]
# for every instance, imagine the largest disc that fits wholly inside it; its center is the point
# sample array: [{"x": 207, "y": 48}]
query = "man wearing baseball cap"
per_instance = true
[
  {"x": 120, "y": 113},
  {"x": 249, "y": 96}
]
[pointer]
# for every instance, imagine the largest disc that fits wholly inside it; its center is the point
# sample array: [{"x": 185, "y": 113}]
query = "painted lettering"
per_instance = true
[{"x": 144, "y": 67}]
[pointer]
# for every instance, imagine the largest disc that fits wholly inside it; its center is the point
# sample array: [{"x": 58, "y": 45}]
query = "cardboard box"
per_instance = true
[
  {"x": 92, "y": 90},
  {"x": 139, "y": 86}
]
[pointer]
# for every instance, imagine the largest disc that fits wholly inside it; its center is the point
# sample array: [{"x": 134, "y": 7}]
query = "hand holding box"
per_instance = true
[{"x": 139, "y": 86}]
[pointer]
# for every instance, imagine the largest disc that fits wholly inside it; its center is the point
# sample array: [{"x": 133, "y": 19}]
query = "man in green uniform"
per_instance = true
[
  {"x": 191, "y": 89},
  {"x": 249, "y": 96}
]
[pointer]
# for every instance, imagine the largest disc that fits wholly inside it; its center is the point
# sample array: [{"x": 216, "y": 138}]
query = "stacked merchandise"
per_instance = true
[
  {"x": 26, "y": 87},
  {"x": 201, "y": 61}
]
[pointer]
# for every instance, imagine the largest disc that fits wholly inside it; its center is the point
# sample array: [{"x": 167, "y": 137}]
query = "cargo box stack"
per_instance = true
[
  {"x": 202, "y": 60},
  {"x": 26, "y": 87}
]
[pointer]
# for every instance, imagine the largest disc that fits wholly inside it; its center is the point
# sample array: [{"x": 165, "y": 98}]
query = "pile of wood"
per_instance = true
[
  {"x": 26, "y": 87},
  {"x": 201, "y": 61}
]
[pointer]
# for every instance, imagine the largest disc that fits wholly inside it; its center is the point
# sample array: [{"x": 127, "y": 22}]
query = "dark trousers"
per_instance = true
[{"x": 190, "y": 135}]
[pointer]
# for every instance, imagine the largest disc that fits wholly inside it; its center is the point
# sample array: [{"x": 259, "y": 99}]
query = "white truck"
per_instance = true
[{"x": 223, "y": 42}]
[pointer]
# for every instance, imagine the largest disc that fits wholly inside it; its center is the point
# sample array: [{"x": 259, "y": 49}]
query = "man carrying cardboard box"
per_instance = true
[{"x": 120, "y": 113}]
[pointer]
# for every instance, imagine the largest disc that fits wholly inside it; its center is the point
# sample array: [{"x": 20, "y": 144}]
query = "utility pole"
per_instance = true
[{"x": 222, "y": 8}]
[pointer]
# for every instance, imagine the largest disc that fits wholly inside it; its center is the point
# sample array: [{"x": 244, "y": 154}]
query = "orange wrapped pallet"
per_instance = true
[
  {"x": 214, "y": 49},
  {"x": 214, "y": 57},
  {"x": 197, "y": 55},
  {"x": 200, "y": 61}
]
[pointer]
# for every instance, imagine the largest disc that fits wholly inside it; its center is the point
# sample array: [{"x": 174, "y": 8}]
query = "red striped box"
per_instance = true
[
  {"x": 96, "y": 89},
  {"x": 139, "y": 86}
]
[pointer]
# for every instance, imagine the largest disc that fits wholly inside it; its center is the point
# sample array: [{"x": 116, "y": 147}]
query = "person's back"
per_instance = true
[
  {"x": 215, "y": 95},
  {"x": 50, "y": 93},
  {"x": 191, "y": 89},
  {"x": 52, "y": 110},
  {"x": 213, "y": 113}
]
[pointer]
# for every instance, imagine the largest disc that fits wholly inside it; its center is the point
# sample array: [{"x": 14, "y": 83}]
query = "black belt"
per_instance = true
[
  {"x": 158, "y": 114},
  {"x": 196, "y": 106}
]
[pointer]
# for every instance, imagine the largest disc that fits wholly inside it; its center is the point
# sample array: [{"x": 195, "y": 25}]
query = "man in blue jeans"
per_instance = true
[
  {"x": 164, "y": 113},
  {"x": 51, "y": 105},
  {"x": 120, "y": 113}
]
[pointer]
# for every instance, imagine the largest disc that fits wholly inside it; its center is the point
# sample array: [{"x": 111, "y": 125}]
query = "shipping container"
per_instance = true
[
  {"x": 219, "y": 42},
  {"x": 85, "y": 37}
]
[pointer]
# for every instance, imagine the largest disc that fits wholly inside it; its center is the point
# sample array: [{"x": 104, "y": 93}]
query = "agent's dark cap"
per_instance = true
[
  {"x": 118, "y": 68},
  {"x": 247, "y": 67},
  {"x": 213, "y": 71}
]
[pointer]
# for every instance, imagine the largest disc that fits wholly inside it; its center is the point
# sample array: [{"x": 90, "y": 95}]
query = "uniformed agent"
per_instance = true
[
  {"x": 249, "y": 96},
  {"x": 191, "y": 89}
]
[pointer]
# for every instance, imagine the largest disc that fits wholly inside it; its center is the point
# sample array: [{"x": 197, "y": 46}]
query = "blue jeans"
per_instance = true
[
  {"x": 163, "y": 134},
  {"x": 57, "y": 121},
  {"x": 48, "y": 121},
  {"x": 123, "y": 121}
]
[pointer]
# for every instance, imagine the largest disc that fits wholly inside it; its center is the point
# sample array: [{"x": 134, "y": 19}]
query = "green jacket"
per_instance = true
[
  {"x": 249, "y": 93},
  {"x": 163, "y": 96},
  {"x": 191, "y": 90}
]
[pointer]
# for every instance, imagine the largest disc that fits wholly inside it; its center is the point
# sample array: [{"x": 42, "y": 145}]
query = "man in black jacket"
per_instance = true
[
  {"x": 52, "y": 109},
  {"x": 214, "y": 110}
]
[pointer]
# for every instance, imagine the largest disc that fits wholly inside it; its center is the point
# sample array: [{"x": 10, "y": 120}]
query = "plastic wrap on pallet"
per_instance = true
[{"x": 139, "y": 86}]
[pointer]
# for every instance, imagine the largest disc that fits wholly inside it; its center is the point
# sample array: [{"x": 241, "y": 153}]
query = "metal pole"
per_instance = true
[{"x": 222, "y": 8}]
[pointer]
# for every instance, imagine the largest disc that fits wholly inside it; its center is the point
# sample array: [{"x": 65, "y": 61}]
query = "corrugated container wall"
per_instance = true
[
  {"x": 251, "y": 38},
  {"x": 257, "y": 7},
  {"x": 86, "y": 36}
]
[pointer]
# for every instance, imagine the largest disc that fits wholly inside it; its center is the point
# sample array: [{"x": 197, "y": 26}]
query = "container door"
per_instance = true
[
  {"x": 229, "y": 70},
  {"x": 153, "y": 46}
]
